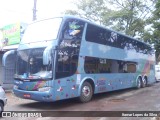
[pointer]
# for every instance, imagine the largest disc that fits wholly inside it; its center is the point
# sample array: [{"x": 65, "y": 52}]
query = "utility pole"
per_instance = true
[{"x": 34, "y": 10}]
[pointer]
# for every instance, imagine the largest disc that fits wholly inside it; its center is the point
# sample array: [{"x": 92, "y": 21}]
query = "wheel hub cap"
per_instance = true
[{"x": 86, "y": 91}]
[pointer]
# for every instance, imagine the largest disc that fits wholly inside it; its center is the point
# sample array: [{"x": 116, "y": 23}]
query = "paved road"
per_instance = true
[{"x": 145, "y": 99}]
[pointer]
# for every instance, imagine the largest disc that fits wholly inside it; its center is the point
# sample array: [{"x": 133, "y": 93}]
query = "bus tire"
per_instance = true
[
  {"x": 86, "y": 92},
  {"x": 139, "y": 83},
  {"x": 144, "y": 82}
]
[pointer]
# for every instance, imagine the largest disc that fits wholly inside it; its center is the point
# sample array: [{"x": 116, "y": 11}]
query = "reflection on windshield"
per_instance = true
[
  {"x": 42, "y": 30},
  {"x": 30, "y": 65}
]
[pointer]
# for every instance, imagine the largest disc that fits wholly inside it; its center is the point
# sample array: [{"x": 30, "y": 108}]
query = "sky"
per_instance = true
[{"x": 13, "y": 11}]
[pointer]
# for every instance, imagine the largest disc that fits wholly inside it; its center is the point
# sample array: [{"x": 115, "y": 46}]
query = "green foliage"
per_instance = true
[
  {"x": 155, "y": 21},
  {"x": 131, "y": 16},
  {"x": 90, "y": 9},
  {"x": 126, "y": 16}
]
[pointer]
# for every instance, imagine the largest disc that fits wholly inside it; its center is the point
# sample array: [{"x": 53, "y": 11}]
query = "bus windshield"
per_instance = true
[
  {"x": 42, "y": 30},
  {"x": 29, "y": 65}
]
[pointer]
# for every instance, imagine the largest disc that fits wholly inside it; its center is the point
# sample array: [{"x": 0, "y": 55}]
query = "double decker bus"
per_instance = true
[{"x": 67, "y": 57}]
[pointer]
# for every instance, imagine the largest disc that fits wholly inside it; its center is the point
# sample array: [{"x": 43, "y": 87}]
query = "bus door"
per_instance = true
[{"x": 66, "y": 67}]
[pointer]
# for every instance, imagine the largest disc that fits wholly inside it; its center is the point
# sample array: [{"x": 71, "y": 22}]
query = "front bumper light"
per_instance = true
[{"x": 15, "y": 86}]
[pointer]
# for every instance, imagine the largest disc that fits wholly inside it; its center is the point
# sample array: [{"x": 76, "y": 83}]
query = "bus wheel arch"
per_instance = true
[
  {"x": 144, "y": 81},
  {"x": 86, "y": 90}
]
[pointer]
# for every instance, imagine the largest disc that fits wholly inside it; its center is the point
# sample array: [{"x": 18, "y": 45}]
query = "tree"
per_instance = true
[
  {"x": 156, "y": 32},
  {"x": 126, "y": 16},
  {"x": 131, "y": 16},
  {"x": 90, "y": 9}
]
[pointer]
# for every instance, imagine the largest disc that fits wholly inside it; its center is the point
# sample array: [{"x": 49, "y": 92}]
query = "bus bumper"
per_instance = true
[{"x": 34, "y": 95}]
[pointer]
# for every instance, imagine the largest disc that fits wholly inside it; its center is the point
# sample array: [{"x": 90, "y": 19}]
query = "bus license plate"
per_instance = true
[{"x": 27, "y": 96}]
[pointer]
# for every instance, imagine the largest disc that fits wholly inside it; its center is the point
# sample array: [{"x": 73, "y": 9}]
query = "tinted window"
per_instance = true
[
  {"x": 96, "y": 34},
  {"x": 131, "y": 68},
  {"x": 66, "y": 66},
  {"x": 73, "y": 29},
  {"x": 106, "y": 37},
  {"x": 99, "y": 65}
]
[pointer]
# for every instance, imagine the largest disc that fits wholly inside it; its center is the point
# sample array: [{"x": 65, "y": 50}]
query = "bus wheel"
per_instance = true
[
  {"x": 86, "y": 92},
  {"x": 144, "y": 83},
  {"x": 139, "y": 83}
]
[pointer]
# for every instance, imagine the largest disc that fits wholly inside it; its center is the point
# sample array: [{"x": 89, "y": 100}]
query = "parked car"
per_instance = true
[
  {"x": 157, "y": 72},
  {"x": 3, "y": 99}
]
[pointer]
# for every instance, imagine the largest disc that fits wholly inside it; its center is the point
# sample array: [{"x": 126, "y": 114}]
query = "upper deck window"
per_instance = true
[
  {"x": 73, "y": 29},
  {"x": 104, "y": 36},
  {"x": 42, "y": 30}
]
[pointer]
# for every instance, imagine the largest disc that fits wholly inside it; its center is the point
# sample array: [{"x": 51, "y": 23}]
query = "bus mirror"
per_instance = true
[
  {"x": 47, "y": 55},
  {"x": 8, "y": 53}
]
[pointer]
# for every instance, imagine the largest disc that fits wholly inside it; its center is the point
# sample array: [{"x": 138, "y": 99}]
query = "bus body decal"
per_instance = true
[{"x": 36, "y": 85}]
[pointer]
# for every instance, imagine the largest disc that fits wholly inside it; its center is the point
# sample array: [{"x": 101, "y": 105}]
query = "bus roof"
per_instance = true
[{"x": 91, "y": 22}]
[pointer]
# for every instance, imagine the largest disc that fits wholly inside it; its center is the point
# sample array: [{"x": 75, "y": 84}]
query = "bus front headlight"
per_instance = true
[
  {"x": 43, "y": 89},
  {"x": 15, "y": 86}
]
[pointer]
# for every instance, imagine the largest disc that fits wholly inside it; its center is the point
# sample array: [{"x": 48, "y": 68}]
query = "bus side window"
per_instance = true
[
  {"x": 96, "y": 34},
  {"x": 90, "y": 65},
  {"x": 121, "y": 66},
  {"x": 105, "y": 67},
  {"x": 73, "y": 30},
  {"x": 99, "y": 65},
  {"x": 114, "y": 66},
  {"x": 131, "y": 67}
]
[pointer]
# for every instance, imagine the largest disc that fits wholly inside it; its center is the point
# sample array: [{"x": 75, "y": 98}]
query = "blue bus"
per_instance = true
[{"x": 67, "y": 57}]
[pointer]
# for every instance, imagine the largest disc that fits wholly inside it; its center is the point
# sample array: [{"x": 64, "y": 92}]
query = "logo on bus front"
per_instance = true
[{"x": 19, "y": 82}]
